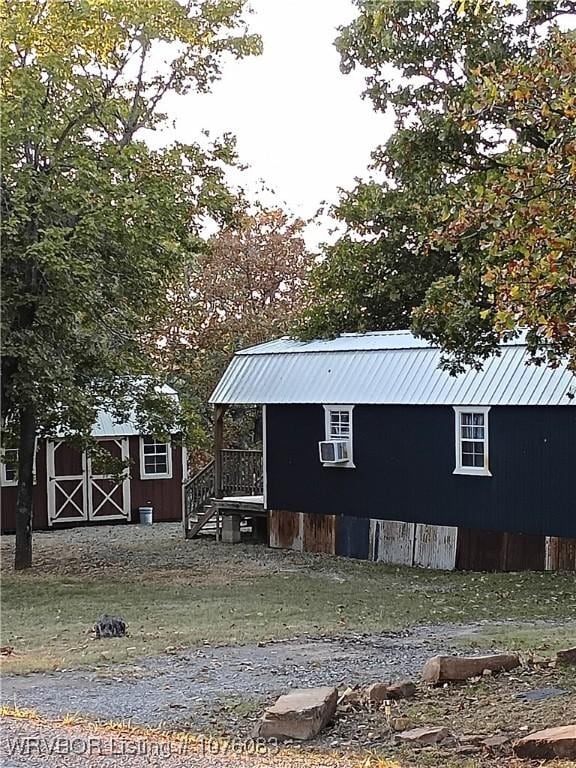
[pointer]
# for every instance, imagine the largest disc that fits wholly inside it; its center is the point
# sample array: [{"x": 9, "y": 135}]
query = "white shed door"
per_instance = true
[
  {"x": 109, "y": 497},
  {"x": 76, "y": 493},
  {"x": 67, "y": 480}
]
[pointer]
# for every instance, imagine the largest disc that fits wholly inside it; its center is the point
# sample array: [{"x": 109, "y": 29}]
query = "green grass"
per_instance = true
[
  {"x": 175, "y": 593},
  {"x": 524, "y": 639}
]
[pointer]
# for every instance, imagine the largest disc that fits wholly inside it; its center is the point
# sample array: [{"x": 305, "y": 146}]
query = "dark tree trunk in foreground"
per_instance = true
[{"x": 24, "y": 509}]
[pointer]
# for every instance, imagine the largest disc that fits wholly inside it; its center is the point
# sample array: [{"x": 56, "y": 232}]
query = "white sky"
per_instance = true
[{"x": 301, "y": 125}]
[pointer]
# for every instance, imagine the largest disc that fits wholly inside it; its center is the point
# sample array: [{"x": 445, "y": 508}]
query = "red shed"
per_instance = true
[{"x": 68, "y": 490}]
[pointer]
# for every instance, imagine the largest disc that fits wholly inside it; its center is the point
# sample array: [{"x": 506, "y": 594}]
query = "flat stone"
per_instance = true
[
  {"x": 300, "y": 714},
  {"x": 548, "y": 744},
  {"x": 377, "y": 693},
  {"x": 445, "y": 669},
  {"x": 467, "y": 749},
  {"x": 472, "y": 738},
  {"x": 404, "y": 689},
  {"x": 425, "y": 736},
  {"x": 539, "y": 694},
  {"x": 495, "y": 742},
  {"x": 568, "y": 656}
]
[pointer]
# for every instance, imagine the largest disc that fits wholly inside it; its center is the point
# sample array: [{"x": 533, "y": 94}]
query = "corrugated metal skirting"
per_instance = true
[
  {"x": 438, "y": 547},
  {"x": 391, "y": 542},
  {"x": 427, "y": 546},
  {"x": 396, "y": 543},
  {"x": 560, "y": 554},
  {"x": 303, "y": 533}
]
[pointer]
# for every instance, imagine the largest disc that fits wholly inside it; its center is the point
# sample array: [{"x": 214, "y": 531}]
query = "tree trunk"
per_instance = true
[{"x": 24, "y": 500}]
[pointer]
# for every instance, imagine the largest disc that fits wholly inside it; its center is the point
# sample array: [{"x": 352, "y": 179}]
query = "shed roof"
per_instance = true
[
  {"x": 391, "y": 367},
  {"x": 106, "y": 426}
]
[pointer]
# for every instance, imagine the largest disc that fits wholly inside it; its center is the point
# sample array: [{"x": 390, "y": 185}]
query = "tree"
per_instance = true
[
  {"x": 373, "y": 275},
  {"x": 426, "y": 62},
  {"x": 96, "y": 225},
  {"x": 523, "y": 216},
  {"x": 244, "y": 288}
]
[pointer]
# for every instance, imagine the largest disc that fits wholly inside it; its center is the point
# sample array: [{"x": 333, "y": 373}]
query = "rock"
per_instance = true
[
  {"x": 548, "y": 744},
  {"x": 567, "y": 656},
  {"x": 379, "y": 692},
  {"x": 376, "y": 693},
  {"x": 472, "y": 738},
  {"x": 425, "y": 735},
  {"x": 467, "y": 749},
  {"x": 495, "y": 742},
  {"x": 400, "y": 723},
  {"x": 405, "y": 689},
  {"x": 442, "y": 669},
  {"x": 300, "y": 714},
  {"x": 539, "y": 694}
]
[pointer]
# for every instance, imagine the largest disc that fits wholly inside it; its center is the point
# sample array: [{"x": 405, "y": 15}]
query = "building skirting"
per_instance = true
[{"x": 415, "y": 544}]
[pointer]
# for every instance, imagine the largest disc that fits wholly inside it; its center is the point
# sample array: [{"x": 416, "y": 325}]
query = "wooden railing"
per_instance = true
[
  {"x": 197, "y": 493},
  {"x": 241, "y": 472},
  {"x": 242, "y": 475}
]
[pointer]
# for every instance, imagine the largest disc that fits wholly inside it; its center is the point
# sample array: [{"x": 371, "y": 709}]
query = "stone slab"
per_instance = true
[
  {"x": 548, "y": 744},
  {"x": 300, "y": 714}
]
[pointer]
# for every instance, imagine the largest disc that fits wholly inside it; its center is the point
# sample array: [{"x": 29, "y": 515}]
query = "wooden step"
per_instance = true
[{"x": 202, "y": 520}]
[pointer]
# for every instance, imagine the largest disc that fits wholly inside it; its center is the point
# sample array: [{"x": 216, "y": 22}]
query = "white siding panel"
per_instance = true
[
  {"x": 435, "y": 547},
  {"x": 391, "y": 542}
]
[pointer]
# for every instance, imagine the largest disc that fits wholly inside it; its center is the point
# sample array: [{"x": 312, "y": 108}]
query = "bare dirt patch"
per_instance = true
[{"x": 157, "y": 552}]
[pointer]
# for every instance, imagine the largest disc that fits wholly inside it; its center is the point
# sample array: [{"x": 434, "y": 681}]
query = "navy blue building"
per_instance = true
[{"x": 372, "y": 450}]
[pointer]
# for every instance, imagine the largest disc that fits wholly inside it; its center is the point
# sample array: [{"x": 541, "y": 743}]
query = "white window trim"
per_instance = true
[
  {"x": 4, "y": 483},
  {"x": 460, "y": 468},
  {"x": 158, "y": 475},
  {"x": 327, "y": 411}
]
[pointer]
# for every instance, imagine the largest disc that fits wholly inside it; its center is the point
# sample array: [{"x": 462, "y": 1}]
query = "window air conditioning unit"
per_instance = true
[{"x": 333, "y": 451}]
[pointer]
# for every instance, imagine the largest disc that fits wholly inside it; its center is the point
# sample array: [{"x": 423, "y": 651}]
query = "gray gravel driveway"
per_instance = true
[{"x": 213, "y": 688}]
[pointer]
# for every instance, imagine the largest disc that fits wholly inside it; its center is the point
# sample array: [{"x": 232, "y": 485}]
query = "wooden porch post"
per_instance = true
[{"x": 219, "y": 412}]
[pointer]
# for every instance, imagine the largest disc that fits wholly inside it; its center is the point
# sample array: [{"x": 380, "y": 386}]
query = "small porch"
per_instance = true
[{"x": 225, "y": 498}]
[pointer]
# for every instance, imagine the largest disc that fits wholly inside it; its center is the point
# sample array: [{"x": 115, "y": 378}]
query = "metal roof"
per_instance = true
[
  {"x": 106, "y": 426},
  {"x": 391, "y": 367}
]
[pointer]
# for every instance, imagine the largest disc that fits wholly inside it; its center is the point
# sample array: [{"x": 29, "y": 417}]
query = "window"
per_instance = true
[
  {"x": 155, "y": 459},
  {"x": 472, "y": 441},
  {"x": 338, "y": 426},
  {"x": 9, "y": 467}
]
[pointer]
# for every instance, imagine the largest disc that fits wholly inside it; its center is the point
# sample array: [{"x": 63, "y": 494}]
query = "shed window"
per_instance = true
[
  {"x": 472, "y": 441},
  {"x": 9, "y": 466},
  {"x": 155, "y": 459},
  {"x": 338, "y": 426}
]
